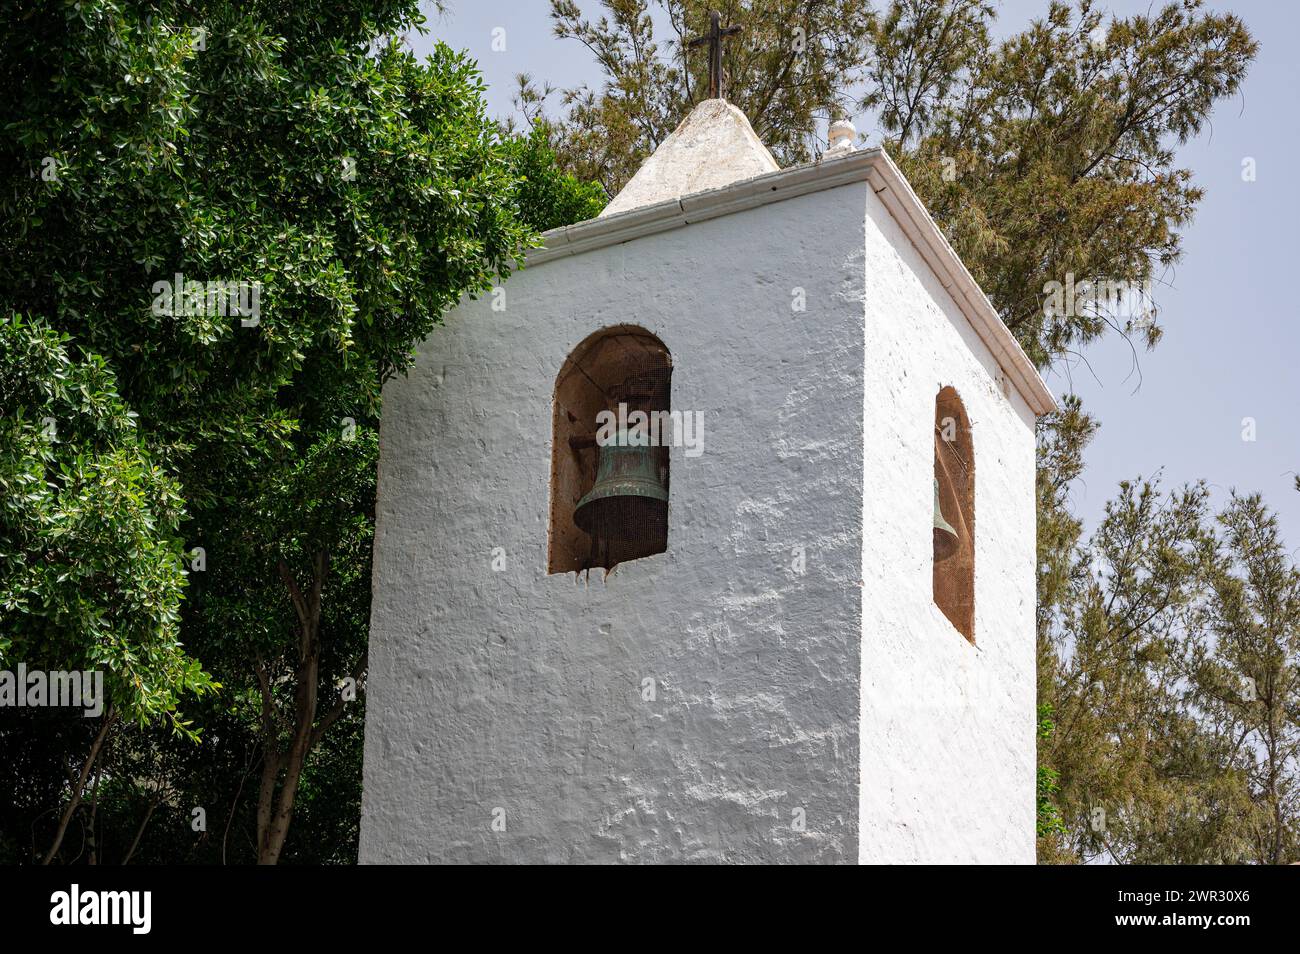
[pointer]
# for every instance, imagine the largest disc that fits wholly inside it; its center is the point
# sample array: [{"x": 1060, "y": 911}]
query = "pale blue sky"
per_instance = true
[{"x": 1231, "y": 337}]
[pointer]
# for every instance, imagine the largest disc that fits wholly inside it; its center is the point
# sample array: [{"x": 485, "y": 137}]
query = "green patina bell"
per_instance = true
[
  {"x": 945, "y": 536},
  {"x": 629, "y": 500}
]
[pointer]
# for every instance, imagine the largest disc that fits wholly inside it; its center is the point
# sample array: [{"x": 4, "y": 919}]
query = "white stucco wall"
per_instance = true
[
  {"x": 948, "y": 758},
  {"x": 522, "y": 691},
  {"x": 776, "y": 691}
]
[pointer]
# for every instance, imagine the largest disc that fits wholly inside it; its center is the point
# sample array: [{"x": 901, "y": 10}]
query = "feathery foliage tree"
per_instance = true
[
  {"x": 1047, "y": 156},
  {"x": 793, "y": 63}
]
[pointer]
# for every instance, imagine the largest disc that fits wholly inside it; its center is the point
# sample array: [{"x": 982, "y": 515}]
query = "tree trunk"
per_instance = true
[
  {"x": 278, "y": 818},
  {"x": 275, "y": 812},
  {"x": 80, "y": 785},
  {"x": 275, "y": 809},
  {"x": 139, "y": 832}
]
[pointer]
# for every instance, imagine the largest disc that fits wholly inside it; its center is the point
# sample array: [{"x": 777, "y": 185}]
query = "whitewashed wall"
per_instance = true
[
  {"x": 522, "y": 691},
  {"x": 948, "y": 760}
]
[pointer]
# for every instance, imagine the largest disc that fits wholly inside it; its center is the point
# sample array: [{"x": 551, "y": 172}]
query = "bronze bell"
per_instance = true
[
  {"x": 629, "y": 500},
  {"x": 945, "y": 536}
]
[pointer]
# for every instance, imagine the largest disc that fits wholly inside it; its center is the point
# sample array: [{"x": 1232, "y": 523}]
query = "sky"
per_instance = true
[{"x": 1231, "y": 333}]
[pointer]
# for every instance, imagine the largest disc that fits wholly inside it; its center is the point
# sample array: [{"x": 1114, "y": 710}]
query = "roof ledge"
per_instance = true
[{"x": 871, "y": 165}]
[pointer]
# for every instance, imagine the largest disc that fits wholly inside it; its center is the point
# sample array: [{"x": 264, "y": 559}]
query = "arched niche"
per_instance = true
[
  {"x": 624, "y": 365},
  {"x": 954, "y": 474}
]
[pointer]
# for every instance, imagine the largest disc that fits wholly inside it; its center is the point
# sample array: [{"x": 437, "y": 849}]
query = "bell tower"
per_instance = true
[{"x": 683, "y": 555}]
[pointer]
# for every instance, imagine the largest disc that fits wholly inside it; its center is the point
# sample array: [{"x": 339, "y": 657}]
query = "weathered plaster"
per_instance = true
[
  {"x": 521, "y": 690},
  {"x": 712, "y": 147},
  {"x": 947, "y": 732},
  {"x": 776, "y": 691}
]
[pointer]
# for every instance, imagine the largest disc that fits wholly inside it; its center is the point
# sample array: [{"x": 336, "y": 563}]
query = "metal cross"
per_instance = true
[{"x": 714, "y": 38}]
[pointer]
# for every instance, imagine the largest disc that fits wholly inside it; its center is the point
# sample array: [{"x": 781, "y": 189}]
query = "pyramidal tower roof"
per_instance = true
[{"x": 713, "y": 147}]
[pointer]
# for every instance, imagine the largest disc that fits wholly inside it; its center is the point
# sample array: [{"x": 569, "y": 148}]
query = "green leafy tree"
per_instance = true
[
  {"x": 548, "y": 197},
  {"x": 225, "y": 225},
  {"x": 90, "y": 559},
  {"x": 1048, "y": 815}
]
